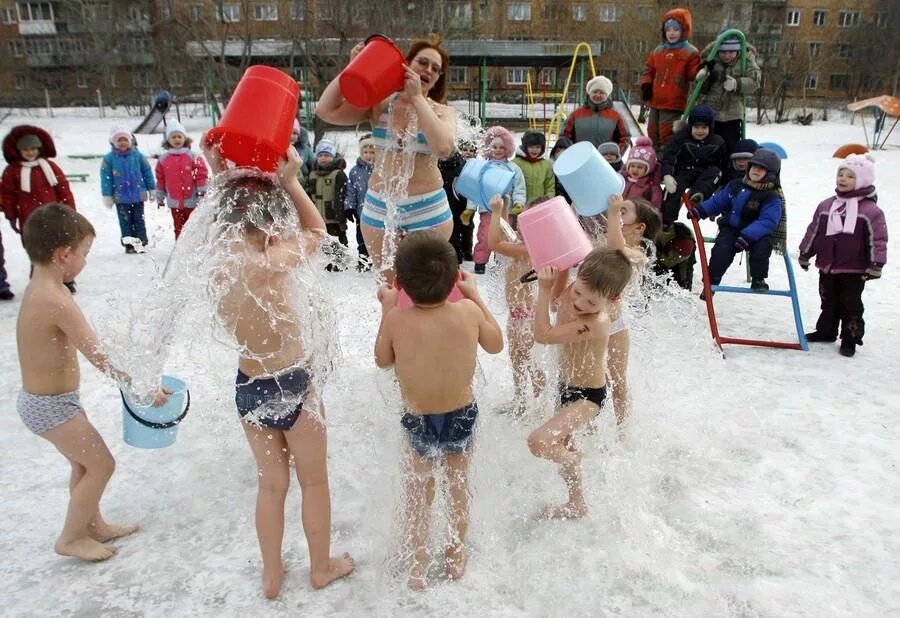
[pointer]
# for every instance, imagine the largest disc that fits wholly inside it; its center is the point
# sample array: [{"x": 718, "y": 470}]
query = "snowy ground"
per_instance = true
[{"x": 765, "y": 484}]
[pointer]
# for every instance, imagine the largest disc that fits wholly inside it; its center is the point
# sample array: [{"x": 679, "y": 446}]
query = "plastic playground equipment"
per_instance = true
[
  {"x": 162, "y": 101},
  {"x": 882, "y": 107}
]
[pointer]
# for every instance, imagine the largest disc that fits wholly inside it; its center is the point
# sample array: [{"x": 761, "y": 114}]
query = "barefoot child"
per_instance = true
[
  {"x": 49, "y": 330},
  {"x": 582, "y": 329},
  {"x": 520, "y": 301},
  {"x": 432, "y": 346},
  {"x": 274, "y": 394}
]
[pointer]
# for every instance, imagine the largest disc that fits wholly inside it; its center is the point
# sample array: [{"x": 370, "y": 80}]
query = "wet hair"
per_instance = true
[
  {"x": 53, "y": 226},
  {"x": 255, "y": 201},
  {"x": 187, "y": 142},
  {"x": 438, "y": 91},
  {"x": 645, "y": 213},
  {"x": 606, "y": 271},
  {"x": 426, "y": 267}
]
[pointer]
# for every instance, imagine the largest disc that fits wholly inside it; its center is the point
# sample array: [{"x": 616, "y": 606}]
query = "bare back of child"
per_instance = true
[
  {"x": 432, "y": 346},
  {"x": 274, "y": 391},
  {"x": 50, "y": 330}
]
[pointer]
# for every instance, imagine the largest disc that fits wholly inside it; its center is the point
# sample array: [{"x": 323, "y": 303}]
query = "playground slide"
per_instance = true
[
  {"x": 631, "y": 123},
  {"x": 161, "y": 102}
]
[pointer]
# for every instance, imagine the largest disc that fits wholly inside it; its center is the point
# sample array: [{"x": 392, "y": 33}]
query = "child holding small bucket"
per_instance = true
[
  {"x": 283, "y": 416},
  {"x": 180, "y": 176},
  {"x": 49, "y": 330},
  {"x": 500, "y": 147},
  {"x": 520, "y": 301},
  {"x": 582, "y": 330},
  {"x": 432, "y": 346}
]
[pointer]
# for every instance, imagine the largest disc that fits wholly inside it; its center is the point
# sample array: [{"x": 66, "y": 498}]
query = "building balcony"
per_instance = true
[
  {"x": 102, "y": 26},
  {"x": 132, "y": 58},
  {"x": 37, "y": 26},
  {"x": 50, "y": 61}
]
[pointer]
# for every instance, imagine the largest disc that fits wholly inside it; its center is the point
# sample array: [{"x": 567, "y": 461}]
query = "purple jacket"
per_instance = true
[{"x": 847, "y": 253}]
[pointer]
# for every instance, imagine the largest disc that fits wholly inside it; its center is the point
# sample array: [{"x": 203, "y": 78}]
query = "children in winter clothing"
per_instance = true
[
  {"x": 450, "y": 169},
  {"x": 31, "y": 179},
  {"x": 848, "y": 237},
  {"x": 499, "y": 147},
  {"x": 597, "y": 122},
  {"x": 642, "y": 174},
  {"x": 300, "y": 140},
  {"x": 126, "y": 180},
  {"x": 755, "y": 204},
  {"x": 613, "y": 155},
  {"x": 693, "y": 161},
  {"x": 740, "y": 160},
  {"x": 538, "y": 171},
  {"x": 726, "y": 80},
  {"x": 326, "y": 185},
  {"x": 669, "y": 70},
  {"x": 558, "y": 148},
  {"x": 355, "y": 193},
  {"x": 180, "y": 176}
]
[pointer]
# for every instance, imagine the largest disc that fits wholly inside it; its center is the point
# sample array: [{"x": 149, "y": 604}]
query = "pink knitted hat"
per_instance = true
[
  {"x": 863, "y": 167},
  {"x": 499, "y": 133},
  {"x": 642, "y": 152}
]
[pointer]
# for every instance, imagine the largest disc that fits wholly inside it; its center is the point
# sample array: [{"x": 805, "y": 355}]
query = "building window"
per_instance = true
[
  {"x": 547, "y": 76},
  {"x": 460, "y": 14},
  {"x": 518, "y": 11},
  {"x": 20, "y": 82},
  {"x": 605, "y": 45},
  {"x": 793, "y": 18},
  {"x": 298, "y": 10},
  {"x": 839, "y": 82},
  {"x": 641, "y": 46},
  {"x": 15, "y": 48},
  {"x": 175, "y": 78},
  {"x": 229, "y": 13},
  {"x": 646, "y": 13},
  {"x": 195, "y": 12},
  {"x": 140, "y": 79},
  {"x": 612, "y": 74},
  {"x": 136, "y": 14},
  {"x": 767, "y": 49},
  {"x": 872, "y": 82},
  {"x": 848, "y": 19},
  {"x": 815, "y": 49},
  {"x": 790, "y": 48},
  {"x": 165, "y": 13},
  {"x": 324, "y": 11},
  {"x": 9, "y": 15},
  {"x": 812, "y": 81},
  {"x": 359, "y": 12},
  {"x": 819, "y": 17},
  {"x": 81, "y": 80},
  {"x": 610, "y": 12},
  {"x": 881, "y": 20},
  {"x": 635, "y": 78},
  {"x": 845, "y": 52},
  {"x": 457, "y": 75},
  {"x": 35, "y": 11},
  {"x": 516, "y": 76},
  {"x": 579, "y": 12},
  {"x": 265, "y": 12}
]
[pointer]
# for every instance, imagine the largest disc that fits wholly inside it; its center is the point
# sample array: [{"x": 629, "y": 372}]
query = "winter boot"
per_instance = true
[{"x": 759, "y": 285}]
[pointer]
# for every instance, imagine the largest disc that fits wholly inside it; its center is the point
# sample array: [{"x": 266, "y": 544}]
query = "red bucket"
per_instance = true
[
  {"x": 376, "y": 72},
  {"x": 255, "y": 130}
]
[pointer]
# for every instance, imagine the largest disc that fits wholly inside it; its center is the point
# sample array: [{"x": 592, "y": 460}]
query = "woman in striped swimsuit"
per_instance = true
[{"x": 417, "y": 121}]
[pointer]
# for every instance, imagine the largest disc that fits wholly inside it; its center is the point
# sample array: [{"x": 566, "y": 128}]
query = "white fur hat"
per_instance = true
[{"x": 600, "y": 83}]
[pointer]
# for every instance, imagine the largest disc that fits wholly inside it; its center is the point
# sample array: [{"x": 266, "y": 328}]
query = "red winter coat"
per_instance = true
[
  {"x": 17, "y": 204},
  {"x": 180, "y": 176},
  {"x": 670, "y": 70},
  {"x": 597, "y": 127},
  {"x": 646, "y": 187}
]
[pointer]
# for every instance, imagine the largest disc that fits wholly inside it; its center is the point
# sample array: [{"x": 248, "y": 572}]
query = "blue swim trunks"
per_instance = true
[
  {"x": 433, "y": 435},
  {"x": 275, "y": 402}
]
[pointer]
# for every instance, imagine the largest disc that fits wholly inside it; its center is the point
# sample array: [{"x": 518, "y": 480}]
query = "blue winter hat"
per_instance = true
[
  {"x": 744, "y": 149},
  {"x": 732, "y": 43},
  {"x": 672, "y": 23},
  {"x": 702, "y": 114},
  {"x": 326, "y": 147}
]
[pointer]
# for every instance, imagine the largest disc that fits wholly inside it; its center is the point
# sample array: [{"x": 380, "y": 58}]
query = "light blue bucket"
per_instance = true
[
  {"x": 480, "y": 180},
  {"x": 588, "y": 178},
  {"x": 149, "y": 427},
  {"x": 776, "y": 148}
]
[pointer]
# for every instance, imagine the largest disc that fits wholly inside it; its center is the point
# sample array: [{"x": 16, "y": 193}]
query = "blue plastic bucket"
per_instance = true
[
  {"x": 480, "y": 180},
  {"x": 149, "y": 427},
  {"x": 588, "y": 178},
  {"x": 776, "y": 148}
]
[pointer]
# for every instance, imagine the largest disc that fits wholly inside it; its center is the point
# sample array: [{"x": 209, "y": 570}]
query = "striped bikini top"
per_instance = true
[{"x": 387, "y": 138}]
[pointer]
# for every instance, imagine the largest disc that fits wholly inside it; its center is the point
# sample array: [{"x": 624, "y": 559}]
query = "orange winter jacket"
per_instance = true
[{"x": 670, "y": 69}]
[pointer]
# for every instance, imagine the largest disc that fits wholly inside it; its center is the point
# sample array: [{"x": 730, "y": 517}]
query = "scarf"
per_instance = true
[
  {"x": 843, "y": 211},
  {"x": 779, "y": 236},
  {"x": 25, "y": 178}
]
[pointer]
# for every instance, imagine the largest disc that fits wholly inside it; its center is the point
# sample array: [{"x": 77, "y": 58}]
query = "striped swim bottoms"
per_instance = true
[
  {"x": 41, "y": 413},
  {"x": 415, "y": 213}
]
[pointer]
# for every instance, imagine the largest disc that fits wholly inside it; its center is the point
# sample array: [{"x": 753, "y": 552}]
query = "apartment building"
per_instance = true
[{"x": 126, "y": 48}]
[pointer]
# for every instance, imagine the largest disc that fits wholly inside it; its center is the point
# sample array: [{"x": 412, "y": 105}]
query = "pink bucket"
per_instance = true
[
  {"x": 553, "y": 235},
  {"x": 404, "y": 301}
]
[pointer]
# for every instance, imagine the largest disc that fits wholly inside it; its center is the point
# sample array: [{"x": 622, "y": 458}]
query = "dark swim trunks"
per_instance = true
[
  {"x": 571, "y": 394},
  {"x": 435, "y": 434},
  {"x": 276, "y": 402}
]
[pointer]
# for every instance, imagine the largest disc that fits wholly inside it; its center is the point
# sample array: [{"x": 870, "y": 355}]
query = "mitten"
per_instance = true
[
  {"x": 730, "y": 83},
  {"x": 701, "y": 74},
  {"x": 670, "y": 184},
  {"x": 741, "y": 244},
  {"x": 873, "y": 272},
  {"x": 696, "y": 198},
  {"x": 804, "y": 262},
  {"x": 108, "y": 201},
  {"x": 647, "y": 92},
  {"x": 466, "y": 216},
  {"x": 517, "y": 209},
  {"x": 144, "y": 196}
]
